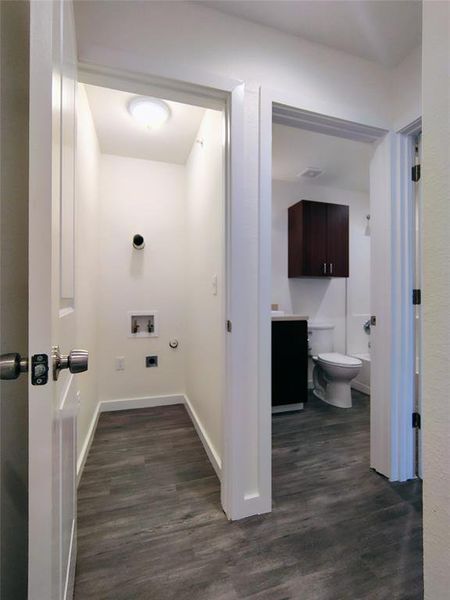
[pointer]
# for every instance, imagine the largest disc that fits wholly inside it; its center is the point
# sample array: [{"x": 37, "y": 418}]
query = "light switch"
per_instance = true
[
  {"x": 120, "y": 363},
  {"x": 214, "y": 285}
]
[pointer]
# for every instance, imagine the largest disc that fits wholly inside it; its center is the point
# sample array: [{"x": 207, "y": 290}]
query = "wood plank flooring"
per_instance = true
[{"x": 150, "y": 525}]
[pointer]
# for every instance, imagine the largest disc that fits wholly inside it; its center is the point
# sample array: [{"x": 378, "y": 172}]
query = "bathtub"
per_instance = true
[{"x": 362, "y": 381}]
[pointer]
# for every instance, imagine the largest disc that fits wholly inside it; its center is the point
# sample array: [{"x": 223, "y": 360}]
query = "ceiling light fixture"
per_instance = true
[{"x": 150, "y": 112}]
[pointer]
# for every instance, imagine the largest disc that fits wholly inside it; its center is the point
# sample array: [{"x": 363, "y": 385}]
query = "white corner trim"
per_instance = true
[
  {"x": 70, "y": 574},
  {"x": 209, "y": 448},
  {"x": 87, "y": 443},
  {"x": 144, "y": 402}
]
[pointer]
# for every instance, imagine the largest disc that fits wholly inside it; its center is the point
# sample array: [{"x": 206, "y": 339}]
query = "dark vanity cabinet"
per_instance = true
[
  {"x": 289, "y": 362},
  {"x": 318, "y": 235}
]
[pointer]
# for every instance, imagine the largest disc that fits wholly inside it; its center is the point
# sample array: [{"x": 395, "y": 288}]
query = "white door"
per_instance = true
[
  {"x": 380, "y": 302},
  {"x": 52, "y": 310},
  {"x": 392, "y": 334}
]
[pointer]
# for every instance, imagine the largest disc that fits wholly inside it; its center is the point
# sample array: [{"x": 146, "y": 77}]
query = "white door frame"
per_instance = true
[
  {"x": 291, "y": 112},
  {"x": 410, "y": 132},
  {"x": 216, "y": 93}
]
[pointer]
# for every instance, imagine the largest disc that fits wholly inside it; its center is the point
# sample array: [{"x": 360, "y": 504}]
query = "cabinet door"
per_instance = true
[
  {"x": 337, "y": 240},
  {"x": 289, "y": 362},
  {"x": 315, "y": 239}
]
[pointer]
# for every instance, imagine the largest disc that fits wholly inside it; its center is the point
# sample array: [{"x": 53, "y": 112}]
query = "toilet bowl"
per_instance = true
[{"x": 332, "y": 375}]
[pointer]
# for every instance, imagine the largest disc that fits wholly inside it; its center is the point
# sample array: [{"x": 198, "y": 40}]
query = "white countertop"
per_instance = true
[{"x": 290, "y": 318}]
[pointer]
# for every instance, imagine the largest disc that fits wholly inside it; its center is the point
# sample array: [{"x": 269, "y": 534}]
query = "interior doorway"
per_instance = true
[
  {"x": 317, "y": 445},
  {"x": 321, "y": 304},
  {"x": 150, "y": 262},
  {"x": 151, "y": 256},
  {"x": 391, "y": 311}
]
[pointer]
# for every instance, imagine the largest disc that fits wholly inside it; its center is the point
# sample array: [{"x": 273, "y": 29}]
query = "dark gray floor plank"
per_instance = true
[{"x": 150, "y": 525}]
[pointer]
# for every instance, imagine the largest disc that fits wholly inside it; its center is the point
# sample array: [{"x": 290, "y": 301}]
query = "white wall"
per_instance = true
[
  {"x": 188, "y": 42},
  {"x": 436, "y": 263},
  {"x": 146, "y": 197},
  {"x": 205, "y": 253},
  {"x": 86, "y": 260},
  {"x": 324, "y": 299},
  {"x": 186, "y": 37},
  {"x": 406, "y": 97}
]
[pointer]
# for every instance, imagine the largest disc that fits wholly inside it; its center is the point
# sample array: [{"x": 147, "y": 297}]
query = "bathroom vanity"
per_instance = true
[{"x": 289, "y": 362}]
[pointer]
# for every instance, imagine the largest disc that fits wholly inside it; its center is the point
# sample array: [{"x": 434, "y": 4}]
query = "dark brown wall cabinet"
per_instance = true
[{"x": 318, "y": 239}]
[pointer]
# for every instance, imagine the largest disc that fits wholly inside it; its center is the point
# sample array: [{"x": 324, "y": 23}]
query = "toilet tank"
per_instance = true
[{"x": 320, "y": 336}]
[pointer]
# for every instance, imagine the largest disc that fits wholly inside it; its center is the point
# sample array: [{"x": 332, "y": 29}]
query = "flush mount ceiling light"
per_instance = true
[
  {"x": 311, "y": 172},
  {"x": 150, "y": 112}
]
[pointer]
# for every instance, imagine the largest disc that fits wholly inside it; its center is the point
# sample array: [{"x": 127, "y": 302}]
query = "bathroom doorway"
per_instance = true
[
  {"x": 389, "y": 176},
  {"x": 321, "y": 304},
  {"x": 327, "y": 454}
]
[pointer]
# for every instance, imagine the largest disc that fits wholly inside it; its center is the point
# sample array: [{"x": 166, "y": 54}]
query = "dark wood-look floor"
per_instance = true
[{"x": 150, "y": 526}]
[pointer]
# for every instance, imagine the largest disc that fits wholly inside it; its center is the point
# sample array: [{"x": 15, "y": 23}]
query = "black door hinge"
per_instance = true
[
  {"x": 228, "y": 326},
  {"x": 416, "y": 420},
  {"x": 415, "y": 173},
  {"x": 417, "y": 297}
]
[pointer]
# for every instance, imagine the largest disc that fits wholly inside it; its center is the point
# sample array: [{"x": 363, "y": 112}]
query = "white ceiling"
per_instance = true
[
  {"x": 345, "y": 163},
  {"x": 118, "y": 133},
  {"x": 384, "y": 31}
]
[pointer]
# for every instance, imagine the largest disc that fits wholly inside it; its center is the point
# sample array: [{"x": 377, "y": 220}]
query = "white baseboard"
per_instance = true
[
  {"x": 287, "y": 408},
  {"x": 145, "y": 402},
  {"x": 361, "y": 387},
  {"x": 87, "y": 443},
  {"x": 209, "y": 448}
]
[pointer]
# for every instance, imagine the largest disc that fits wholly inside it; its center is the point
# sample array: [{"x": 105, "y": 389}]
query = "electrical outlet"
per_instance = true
[
  {"x": 120, "y": 363},
  {"x": 151, "y": 361}
]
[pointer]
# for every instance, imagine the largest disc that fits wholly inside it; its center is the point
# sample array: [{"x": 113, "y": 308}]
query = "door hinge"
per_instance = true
[
  {"x": 229, "y": 326},
  {"x": 417, "y": 297},
  {"x": 415, "y": 173},
  {"x": 416, "y": 420}
]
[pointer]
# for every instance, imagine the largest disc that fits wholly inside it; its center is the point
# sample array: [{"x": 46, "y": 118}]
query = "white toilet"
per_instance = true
[{"x": 333, "y": 371}]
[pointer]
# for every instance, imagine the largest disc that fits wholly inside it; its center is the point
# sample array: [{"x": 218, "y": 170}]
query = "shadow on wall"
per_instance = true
[{"x": 137, "y": 262}]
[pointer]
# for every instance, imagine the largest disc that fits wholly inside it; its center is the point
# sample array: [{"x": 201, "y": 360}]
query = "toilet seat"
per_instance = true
[{"x": 338, "y": 359}]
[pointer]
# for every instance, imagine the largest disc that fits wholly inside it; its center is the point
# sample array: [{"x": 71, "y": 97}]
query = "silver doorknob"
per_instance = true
[
  {"x": 76, "y": 361},
  {"x": 12, "y": 365}
]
